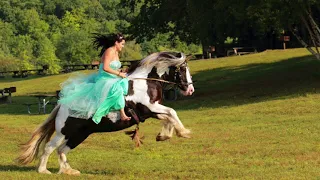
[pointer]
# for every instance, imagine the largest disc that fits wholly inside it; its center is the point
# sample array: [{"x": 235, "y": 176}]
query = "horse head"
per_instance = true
[
  {"x": 169, "y": 66},
  {"x": 179, "y": 71},
  {"x": 180, "y": 75}
]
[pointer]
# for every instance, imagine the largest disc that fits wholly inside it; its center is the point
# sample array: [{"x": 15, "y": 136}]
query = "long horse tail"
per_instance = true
[{"x": 43, "y": 133}]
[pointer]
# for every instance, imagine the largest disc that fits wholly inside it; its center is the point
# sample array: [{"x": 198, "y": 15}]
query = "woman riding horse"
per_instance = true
[
  {"x": 144, "y": 98},
  {"x": 99, "y": 93}
]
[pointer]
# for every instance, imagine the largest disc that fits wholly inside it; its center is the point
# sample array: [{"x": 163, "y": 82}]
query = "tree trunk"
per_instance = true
[
  {"x": 305, "y": 44},
  {"x": 315, "y": 27},
  {"x": 311, "y": 33}
]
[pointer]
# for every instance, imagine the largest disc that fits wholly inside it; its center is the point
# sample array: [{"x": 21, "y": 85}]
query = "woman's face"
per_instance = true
[{"x": 120, "y": 45}]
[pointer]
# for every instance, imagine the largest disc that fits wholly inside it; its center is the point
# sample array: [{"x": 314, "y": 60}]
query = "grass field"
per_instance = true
[{"x": 252, "y": 117}]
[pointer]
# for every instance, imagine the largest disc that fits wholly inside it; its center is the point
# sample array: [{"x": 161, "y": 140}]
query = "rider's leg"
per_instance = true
[{"x": 123, "y": 115}]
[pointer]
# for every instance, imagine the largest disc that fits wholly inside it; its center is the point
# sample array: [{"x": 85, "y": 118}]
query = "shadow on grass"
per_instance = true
[
  {"x": 19, "y": 107},
  {"x": 36, "y": 76},
  {"x": 23, "y": 168},
  {"x": 30, "y": 77},
  {"x": 235, "y": 85},
  {"x": 16, "y": 168},
  {"x": 99, "y": 172}
]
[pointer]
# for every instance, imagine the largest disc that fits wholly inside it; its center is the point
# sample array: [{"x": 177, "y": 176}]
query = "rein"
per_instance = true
[
  {"x": 153, "y": 79},
  {"x": 160, "y": 80}
]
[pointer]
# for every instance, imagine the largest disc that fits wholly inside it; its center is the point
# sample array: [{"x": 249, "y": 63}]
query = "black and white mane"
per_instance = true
[{"x": 146, "y": 81}]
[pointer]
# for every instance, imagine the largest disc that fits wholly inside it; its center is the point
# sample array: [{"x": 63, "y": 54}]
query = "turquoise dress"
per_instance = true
[{"x": 94, "y": 95}]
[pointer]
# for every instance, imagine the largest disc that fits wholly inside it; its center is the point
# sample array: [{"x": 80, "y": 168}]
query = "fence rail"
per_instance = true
[{"x": 25, "y": 72}]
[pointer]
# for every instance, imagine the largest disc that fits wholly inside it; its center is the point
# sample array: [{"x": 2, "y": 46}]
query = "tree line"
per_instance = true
[{"x": 59, "y": 32}]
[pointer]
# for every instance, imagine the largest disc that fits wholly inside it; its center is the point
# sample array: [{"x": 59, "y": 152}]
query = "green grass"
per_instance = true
[{"x": 252, "y": 117}]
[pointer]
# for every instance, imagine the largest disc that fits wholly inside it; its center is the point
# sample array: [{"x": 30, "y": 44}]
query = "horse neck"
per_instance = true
[
  {"x": 150, "y": 72},
  {"x": 143, "y": 73},
  {"x": 140, "y": 72}
]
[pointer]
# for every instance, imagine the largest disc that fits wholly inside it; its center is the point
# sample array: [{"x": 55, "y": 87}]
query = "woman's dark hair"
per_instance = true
[{"x": 106, "y": 41}]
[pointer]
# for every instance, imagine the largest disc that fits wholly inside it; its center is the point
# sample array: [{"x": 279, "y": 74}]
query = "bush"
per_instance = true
[
  {"x": 9, "y": 63},
  {"x": 131, "y": 51}
]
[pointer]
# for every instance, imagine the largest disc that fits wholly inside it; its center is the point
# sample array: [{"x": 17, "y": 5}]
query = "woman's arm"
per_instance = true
[{"x": 106, "y": 59}]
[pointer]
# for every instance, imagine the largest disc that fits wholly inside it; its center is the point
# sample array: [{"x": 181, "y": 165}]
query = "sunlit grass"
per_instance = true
[{"x": 252, "y": 117}]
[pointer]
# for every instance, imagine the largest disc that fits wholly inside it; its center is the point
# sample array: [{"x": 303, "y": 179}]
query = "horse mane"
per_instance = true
[{"x": 161, "y": 60}]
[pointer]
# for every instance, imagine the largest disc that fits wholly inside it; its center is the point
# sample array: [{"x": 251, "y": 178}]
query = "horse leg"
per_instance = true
[
  {"x": 65, "y": 168},
  {"x": 167, "y": 128},
  {"x": 172, "y": 116},
  {"x": 49, "y": 148},
  {"x": 55, "y": 142},
  {"x": 71, "y": 143}
]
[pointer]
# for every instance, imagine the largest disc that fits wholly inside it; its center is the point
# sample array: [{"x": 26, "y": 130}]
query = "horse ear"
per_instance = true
[
  {"x": 181, "y": 58},
  {"x": 189, "y": 57}
]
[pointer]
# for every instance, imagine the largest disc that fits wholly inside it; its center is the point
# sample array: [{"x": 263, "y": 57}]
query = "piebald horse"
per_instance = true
[{"x": 143, "y": 101}]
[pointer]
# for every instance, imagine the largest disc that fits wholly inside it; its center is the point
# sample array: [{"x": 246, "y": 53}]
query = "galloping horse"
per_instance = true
[{"x": 143, "y": 101}]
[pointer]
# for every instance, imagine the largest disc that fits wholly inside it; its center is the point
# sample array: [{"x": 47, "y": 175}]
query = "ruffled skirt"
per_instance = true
[{"x": 93, "y": 95}]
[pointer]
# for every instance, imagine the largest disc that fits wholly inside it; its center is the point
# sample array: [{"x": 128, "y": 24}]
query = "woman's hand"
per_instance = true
[
  {"x": 124, "y": 70},
  {"x": 123, "y": 75}
]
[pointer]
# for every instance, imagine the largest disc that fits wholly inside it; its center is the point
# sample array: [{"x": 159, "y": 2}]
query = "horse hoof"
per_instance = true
[
  {"x": 69, "y": 171},
  {"x": 162, "y": 138},
  {"x": 46, "y": 171},
  {"x": 185, "y": 133},
  {"x": 186, "y": 136}
]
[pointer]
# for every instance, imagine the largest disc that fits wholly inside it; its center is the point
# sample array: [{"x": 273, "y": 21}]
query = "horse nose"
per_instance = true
[{"x": 191, "y": 89}]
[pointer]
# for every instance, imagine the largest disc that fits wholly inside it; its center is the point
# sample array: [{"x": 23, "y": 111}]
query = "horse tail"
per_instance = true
[{"x": 43, "y": 133}]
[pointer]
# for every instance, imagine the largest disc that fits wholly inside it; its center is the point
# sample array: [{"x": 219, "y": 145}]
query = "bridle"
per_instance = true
[{"x": 178, "y": 76}]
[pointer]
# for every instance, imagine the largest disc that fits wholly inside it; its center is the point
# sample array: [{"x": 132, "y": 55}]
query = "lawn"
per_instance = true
[{"x": 252, "y": 117}]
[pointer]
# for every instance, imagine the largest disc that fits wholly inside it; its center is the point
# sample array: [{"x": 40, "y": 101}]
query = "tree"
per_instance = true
[
  {"x": 45, "y": 54},
  {"x": 131, "y": 51},
  {"x": 301, "y": 18},
  {"x": 58, "y": 32},
  {"x": 6, "y": 35},
  {"x": 22, "y": 48},
  {"x": 307, "y": 12},
  {"x": 207, "y": 22}
]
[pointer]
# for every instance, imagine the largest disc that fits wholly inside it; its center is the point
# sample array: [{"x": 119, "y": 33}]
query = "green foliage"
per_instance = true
[
  {"x": 71, "y": 20},
  {"x": 168, "y": 42},
  {"x": 131, "y": 51},
  {"x": 30, "y": 23},
  {"x": 46, "y": 55},
  {"x": 108, "y": 27},
  {"x": 211, "y": 22},
  {"x": 58, "y": 32},
  {"x": 8, "y": 63},
  {"x": 6, "y": 36},
  {"x": 74, "y": 48},
  {"x": 22, "y": 47},
  {"x": 55, "y": 32}
]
